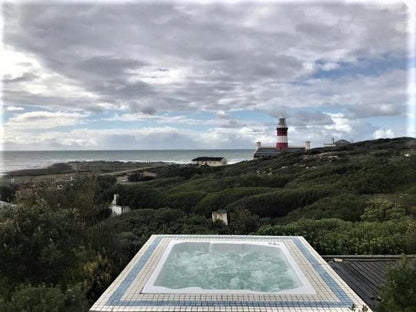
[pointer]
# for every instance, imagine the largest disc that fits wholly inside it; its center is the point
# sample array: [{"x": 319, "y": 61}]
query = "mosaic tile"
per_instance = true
[{"x": 125, "y": 293}]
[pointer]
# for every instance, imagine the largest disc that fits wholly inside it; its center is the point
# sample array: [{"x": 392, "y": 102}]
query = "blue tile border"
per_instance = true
[{"x": 115, "y": 299}]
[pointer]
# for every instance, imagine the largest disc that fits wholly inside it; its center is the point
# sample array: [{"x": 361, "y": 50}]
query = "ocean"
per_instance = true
[{"x": 17, "y": 160}]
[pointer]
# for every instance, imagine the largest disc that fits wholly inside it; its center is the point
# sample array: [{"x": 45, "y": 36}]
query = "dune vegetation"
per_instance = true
[{"x": 64, "y": 246}]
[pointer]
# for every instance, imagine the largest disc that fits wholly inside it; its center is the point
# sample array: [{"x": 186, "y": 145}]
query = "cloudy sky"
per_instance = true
[{"x": 170, "y": 75}]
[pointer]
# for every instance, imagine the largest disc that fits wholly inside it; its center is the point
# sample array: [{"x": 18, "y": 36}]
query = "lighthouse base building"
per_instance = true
[{"x": 281, "y": 145}]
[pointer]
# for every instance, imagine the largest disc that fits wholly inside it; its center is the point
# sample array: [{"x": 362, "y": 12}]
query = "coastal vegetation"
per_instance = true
[{"x": 61, "y": 244}]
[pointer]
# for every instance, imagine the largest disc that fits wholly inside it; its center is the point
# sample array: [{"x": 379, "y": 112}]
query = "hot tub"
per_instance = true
[
  {"x": 227, "y": 273},
  {"x": 227, "y": 267}
]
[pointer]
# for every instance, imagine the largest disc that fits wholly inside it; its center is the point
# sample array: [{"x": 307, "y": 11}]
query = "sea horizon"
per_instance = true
[{"x": 32, "y": 159}]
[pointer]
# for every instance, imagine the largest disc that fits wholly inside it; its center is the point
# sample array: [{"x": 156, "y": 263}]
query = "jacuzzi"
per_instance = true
[
  {"x": 227, "y": 273},
  {"x": 227, "y": 267}
]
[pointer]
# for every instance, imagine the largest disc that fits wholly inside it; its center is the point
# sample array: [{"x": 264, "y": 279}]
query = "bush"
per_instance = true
[
  {"x": 279, "y": 203},
  {"x": 243, "y": 222},
  {"x": 139, "y": 196},
  {"x": 185, "y": 171},
  {"x": 106, "y": 181},
  {"x": 8, "y": 193},
  {"x": 185, "y": 201},
  {"x": 219, "y": 200},
  {"x": 255, "y": 180},
  {"x": 334, "y": 236},
  {"x": 138, "y": 177},
  {"x": 103, "y": 189},
  {"x": 39, "y": 244},
  {"x": 399, "y": 292},
  {"x": 41, "y": 298},
  {"x": 380, "y": 209},
  {"x": 345, "y": 206},
  {"x": 128, "y": 232}
]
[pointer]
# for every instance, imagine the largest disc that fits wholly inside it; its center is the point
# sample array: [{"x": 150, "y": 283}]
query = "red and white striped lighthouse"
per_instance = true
[{"x": 282, "y": 134}]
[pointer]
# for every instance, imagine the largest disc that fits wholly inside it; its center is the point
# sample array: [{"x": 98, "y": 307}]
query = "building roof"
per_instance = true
[
  {"x": 340, "y": 142},
  {"x": 364, "y": 274},
  {"x": 268, "y": 150},
  {"x": 272, "y": 151},
  {"x": 204, "y": 158}
]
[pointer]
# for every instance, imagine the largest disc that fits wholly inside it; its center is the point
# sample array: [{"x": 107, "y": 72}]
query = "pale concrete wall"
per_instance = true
[{"x": 221, "y": 216}]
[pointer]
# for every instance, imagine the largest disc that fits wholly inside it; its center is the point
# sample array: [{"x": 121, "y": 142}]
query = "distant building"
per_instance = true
[
  {"x": 210, "y": 161},
  {"x": 281, "y": 145},
  {"x": 116, "y": 209},
  {"x": 269, "y": 152},
  {"x": 220, "y": 215},
  {"x": 337, "y": 143}
]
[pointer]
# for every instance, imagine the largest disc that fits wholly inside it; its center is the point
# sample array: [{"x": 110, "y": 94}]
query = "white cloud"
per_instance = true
[
  {"x": 161, "y": 119},
  {"x": 383, "y": 133},
  {"x": 24, "y": 74},
  {"x": 13, "y": 108},
  {"x": 341, "y": 124},
  {"x": 154, "y": 62},
  {"x": 158, "y": 75},
  {"x": 44, "y": 120}
]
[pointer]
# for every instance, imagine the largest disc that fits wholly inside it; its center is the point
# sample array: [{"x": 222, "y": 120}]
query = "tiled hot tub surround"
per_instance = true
[{"x": 125, "y": 293}]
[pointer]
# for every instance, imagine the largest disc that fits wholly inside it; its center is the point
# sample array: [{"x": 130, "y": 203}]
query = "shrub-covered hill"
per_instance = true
[
  {"x": 352, "y": 199},
  {"x": 60, "y": 249},
  {"x": 319, "y": 183}
]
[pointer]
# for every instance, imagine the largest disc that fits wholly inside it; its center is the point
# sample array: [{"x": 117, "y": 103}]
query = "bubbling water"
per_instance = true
[{"x": 227, "y": 267}]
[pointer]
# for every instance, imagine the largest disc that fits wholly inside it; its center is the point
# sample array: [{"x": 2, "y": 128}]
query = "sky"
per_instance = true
[{"x": 203, "y": 75}]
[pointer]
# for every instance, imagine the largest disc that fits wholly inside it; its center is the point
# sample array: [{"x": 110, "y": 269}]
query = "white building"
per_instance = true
[
  {"x": 116, "y": 209},
  {"x": 210, "y": 161},
  {"x": 220, "y": 215}
]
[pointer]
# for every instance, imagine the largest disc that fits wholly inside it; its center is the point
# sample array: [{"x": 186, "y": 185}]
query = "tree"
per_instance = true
[
  {"x": 399, "y": 292},
  {"x": 39, "y": 244}
]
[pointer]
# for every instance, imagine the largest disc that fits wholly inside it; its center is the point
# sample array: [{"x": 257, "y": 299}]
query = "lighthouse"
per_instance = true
[
  {"x": 281, "y": 145},
  {"x": 281, "y": 134}
]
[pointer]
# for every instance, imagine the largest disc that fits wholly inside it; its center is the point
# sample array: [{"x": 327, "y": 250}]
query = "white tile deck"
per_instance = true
[{"x": 124, "y": 294}]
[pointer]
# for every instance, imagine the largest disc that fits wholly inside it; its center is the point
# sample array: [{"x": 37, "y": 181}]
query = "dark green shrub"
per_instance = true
[
  {"x": 280, "y": 203},
  {"x": 42, "y": 298},
  {"x": 219, "y": 200},
  {"x": 345, "y": 206},
  {"x": 185, "y": 201},
  {"x": 399, "y": 292},
  {"x": 256, "y": 180},
  {"x": 185, "y": 171},
  {"x": 39, "y": 244},
  {"x": 140, "y": 196},
  {"x": 8, "y": 192},
  {"x": 103, "y": 189},
  {"x": 139, "y": 177},
  {"x": 334, "y": 236},
  {"x": 380, "y": 209},
  {"x": 243, "y": 222}
]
